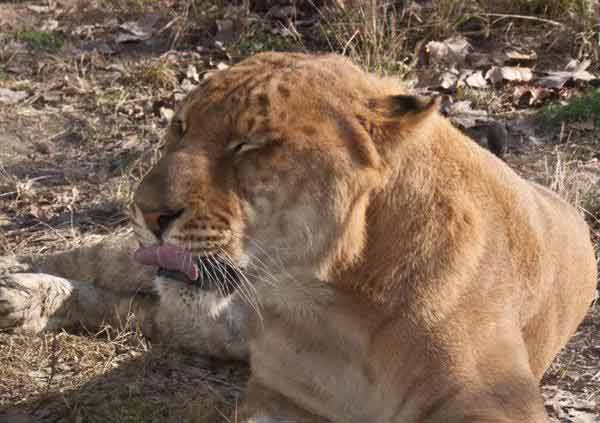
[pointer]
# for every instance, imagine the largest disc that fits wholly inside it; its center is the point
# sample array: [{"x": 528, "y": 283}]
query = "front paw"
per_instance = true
[
  {"x": 15, "y": 301},
  {"x": 29, "y": 301}
]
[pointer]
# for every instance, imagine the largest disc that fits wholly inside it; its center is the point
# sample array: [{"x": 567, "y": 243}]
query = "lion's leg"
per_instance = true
[
  {"x": 102, "y": 284},
  {"x": 263, "y": 405},
  {"x": 92, "y": 285},
  {"x": 34, "y": 302},
  {"x": 107, "y": 264}
]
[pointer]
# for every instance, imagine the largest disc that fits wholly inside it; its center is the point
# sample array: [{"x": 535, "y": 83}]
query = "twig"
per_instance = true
[
  {"x": 349, "y": 41},
  {"x": 529, "y": 18}
]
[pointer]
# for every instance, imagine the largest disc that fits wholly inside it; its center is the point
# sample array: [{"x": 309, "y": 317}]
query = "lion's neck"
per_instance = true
[{"x": 414, "y": 225}]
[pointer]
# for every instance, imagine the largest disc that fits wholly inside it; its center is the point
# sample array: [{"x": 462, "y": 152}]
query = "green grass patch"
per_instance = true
[
  {"x": 41, "y": 40},
  {"x": 584, "y": 108},
  {"x": 3, "y": 74}
]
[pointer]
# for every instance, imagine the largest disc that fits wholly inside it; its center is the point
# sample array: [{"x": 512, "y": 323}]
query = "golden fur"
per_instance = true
[
  {"x": 394, "y": 270},
  {"x": 408, "y": 275}
]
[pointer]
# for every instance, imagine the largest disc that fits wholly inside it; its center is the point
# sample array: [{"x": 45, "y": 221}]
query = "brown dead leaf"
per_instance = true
[
  {"x": 509, "y": 73},
  {"x": 517, "y": 56},
  {"x": 575, "y": 66},
  {"x": 476, "y": 80},
  {"x": 166, "y": 114},
  {"x": 133, "y": 31},
  {"x": 38, "y": 9},
  {"x": 192, "y": 73},
  {"x": 131, "y": 142},
  {"x": 574, "y": 71},
  {"x": 527, "y": 95},
  {"x": 464, "y": 115},
  {"x": 50, "y": 25},
  {"x": 187, "y": 85},
  {"x": 448, "y": 80},
  {"x": 452, "y": 51}
]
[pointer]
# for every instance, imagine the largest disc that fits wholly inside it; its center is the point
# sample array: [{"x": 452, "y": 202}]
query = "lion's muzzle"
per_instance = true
[{"x": 207, "y": 272}]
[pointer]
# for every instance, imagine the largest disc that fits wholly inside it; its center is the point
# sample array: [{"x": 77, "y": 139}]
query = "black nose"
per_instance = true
[{"x": 159, "y": 222}]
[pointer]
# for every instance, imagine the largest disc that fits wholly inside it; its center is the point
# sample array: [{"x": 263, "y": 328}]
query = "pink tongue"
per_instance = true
[{"x": 168, "y": 257}]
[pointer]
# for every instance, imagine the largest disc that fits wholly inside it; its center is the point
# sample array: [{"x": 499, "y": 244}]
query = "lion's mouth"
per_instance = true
[{"x": 206, "y": 272}]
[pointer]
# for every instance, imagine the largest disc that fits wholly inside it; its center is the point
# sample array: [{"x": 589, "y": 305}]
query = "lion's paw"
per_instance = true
[
  {"x": 14, "y": 301},
  {"x": 29, "y": 301}
]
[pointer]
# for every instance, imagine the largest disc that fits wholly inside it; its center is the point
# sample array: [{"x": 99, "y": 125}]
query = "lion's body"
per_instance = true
[{"x": 404, "y": 274}]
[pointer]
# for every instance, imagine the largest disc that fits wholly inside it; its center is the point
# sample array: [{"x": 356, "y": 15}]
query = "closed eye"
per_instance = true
[{"x": 242, "y": 147}]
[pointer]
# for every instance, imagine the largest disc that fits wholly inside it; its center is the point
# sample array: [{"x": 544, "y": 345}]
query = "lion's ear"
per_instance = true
[
  {"x": 405, "y": 107},
  {"x": 397, "y": 116}
]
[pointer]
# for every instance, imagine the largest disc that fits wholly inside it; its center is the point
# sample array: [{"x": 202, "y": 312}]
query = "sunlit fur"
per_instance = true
[{"x": 396, "y": 272}]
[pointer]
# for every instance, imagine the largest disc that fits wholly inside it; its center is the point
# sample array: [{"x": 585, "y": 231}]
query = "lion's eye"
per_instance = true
[{"x": 242, "y": 147}]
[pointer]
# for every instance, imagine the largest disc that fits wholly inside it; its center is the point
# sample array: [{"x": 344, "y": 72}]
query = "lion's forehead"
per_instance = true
[{"x": 263, "y": 95}]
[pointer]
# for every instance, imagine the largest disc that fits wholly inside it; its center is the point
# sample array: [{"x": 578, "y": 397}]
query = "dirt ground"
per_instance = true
[{"x": 95, "y": 94}]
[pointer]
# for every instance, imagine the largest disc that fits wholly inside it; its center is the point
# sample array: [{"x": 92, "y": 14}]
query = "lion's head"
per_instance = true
[{"x": 269, "y": 166}]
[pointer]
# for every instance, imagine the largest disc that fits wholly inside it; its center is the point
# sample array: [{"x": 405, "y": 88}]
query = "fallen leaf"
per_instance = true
[
  {"x": 574, "y": 71},
  {"x": 575, "y": 66},
  {"x": 476, "y": 80},
  {"x": 583, "y": 417},
  {"x": 166, "y": 113},
  {"x": 137, "y": 30},
  {"x": 559, "y": 79},
  {"x": 11, "y": 97},
  {"x": 86, "y": 31},
  {"x": 498, "y": 74},
  {"x": 530, "y": 95},
  {"x": 50, "y": 25},
  {"x": 39, "y": 9},
  {"x": 187, "y": 85},
  {"x": 451, "y": 51},
  {"x": 517, "y": 56},
  {"x": 464, "y": 115},
  {"x": 448, "y": 80},
  {"x": 192, "y": 73}
]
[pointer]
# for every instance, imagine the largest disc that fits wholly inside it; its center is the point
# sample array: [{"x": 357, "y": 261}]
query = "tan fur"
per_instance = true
[{"x": 396, "y": 272}]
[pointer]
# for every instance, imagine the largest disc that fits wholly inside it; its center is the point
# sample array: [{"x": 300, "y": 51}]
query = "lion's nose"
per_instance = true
[{"x": 159, "y": 222}]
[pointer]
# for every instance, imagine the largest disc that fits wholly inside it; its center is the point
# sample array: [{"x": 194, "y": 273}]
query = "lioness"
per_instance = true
[{"x": 373, "y": 263}]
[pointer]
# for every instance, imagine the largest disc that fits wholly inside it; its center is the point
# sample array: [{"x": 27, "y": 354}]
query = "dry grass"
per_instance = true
[
  {"x": 579, "y": 187},
  {"x": 154, "y": 73},
  {"x": 387, "y": 36},
  {"x": 369, "y": 33},
  {"x": 113, "y": 375}
]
